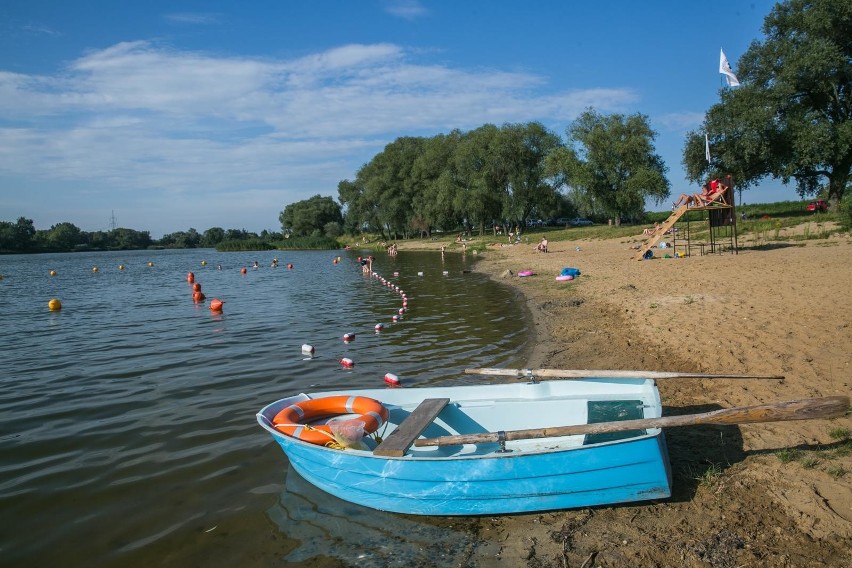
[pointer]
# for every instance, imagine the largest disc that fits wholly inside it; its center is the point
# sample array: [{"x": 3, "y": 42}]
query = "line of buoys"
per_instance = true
[{"x": 54, "y": 305}]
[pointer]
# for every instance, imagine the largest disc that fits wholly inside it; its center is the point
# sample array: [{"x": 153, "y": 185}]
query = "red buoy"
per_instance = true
[
  {"x": 347, "y": 363},
  {"x": 243, "y": 271},
  {"x": 216, "y": 305},
  {"x": 392, "y": 380},
  {"x": 190, "y": 277},
  {"x": 289, "y": 266},
  {"x": 347, "y": 337},
  {"x": 379, "y": 327}
]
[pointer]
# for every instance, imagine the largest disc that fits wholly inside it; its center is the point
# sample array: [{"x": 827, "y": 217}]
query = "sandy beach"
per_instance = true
[{"x": 776, "y": 494}]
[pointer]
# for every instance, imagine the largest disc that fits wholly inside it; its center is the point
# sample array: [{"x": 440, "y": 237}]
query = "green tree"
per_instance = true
[
  {"x": 129, "y": 239},
  {"x": 791, "y": 118},
  {"x": 64, "y": 237},
  {"x": 212, "y": 237},
  {"x": 480, "y": 178},
  {"x": 523, "y": 149},
  {"x": 433, "y": 184},
  {"x": 610, "y": 165},
  {"x": 309, "y": 217}
]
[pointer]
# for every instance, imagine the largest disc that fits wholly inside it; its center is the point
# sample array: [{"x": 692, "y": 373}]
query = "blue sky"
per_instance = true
[{"x": 177, "y": 115}]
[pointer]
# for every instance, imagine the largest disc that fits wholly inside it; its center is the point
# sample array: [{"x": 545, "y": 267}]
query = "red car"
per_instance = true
[{"x": 818, "y": 205}]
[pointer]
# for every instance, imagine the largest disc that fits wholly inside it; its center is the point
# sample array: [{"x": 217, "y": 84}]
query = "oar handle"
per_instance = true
[
  {"x": 610, "y": 374},
  {"x": 807, "y": 409}
]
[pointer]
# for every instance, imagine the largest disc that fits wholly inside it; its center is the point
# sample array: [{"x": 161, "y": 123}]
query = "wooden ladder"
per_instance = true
[{"x": 661, "y": 230}]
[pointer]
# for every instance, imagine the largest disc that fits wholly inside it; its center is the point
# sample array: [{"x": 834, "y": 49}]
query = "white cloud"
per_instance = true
[
  {"x": 177, "y": 126},
  {"x": 407, "y": 9}
]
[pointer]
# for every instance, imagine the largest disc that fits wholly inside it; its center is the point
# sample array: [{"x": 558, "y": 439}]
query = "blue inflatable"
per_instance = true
[{"x": 575, "y": 272}]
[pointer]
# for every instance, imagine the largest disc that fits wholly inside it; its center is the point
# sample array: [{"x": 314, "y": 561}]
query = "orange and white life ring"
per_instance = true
[{"x": 294, "y": 420}]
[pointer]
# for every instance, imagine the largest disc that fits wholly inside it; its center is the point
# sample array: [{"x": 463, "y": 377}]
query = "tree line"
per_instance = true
[
  {"x": 494, "y": 177},
  {"x": 22, "y": 237}
]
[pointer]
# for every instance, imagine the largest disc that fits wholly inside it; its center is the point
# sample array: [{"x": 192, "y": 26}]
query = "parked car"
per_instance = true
[
  {"x": 580, "y": 222},
  {"x": 818, "y": 205},
  {"x": 561, "y": 222}
]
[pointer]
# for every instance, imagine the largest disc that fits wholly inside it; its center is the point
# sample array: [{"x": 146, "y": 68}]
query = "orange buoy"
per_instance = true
[
  {"x": 54, "y": 305},
  {"x": 243, "y": 271},
  {"x": 216, "y": 304},
  {"x": 198, "y": 296},
  {"x": 196, "y": 287},
  {"x": 190, "y": 277}
]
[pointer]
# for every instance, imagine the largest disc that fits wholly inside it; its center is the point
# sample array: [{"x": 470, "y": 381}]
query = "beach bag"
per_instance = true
[{"x": 575, "y": 272}]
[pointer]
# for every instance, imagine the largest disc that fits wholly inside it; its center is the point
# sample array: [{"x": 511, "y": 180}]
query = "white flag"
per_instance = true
[
  {"x": 707, "y": 148},
  {"x": 725, "y": 69}
]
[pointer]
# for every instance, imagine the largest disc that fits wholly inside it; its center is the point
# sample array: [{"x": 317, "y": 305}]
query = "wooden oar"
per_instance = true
[
  {"x": 808, "y": 409},
  {"x": 613, "y": 374}
]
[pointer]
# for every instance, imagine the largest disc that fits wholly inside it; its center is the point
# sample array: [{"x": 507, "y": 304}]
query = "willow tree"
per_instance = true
[
  {"x": 610, "y": 165},
  {"x": 523, "y": 150},
  {"x": 791, "y": 118}
]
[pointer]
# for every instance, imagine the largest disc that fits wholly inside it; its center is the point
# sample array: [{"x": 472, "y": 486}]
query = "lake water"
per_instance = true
[{"x": 127, "y": 419}]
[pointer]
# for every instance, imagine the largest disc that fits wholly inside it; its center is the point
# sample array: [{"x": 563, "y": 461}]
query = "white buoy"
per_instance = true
[
  {"x": 446, "y": 272},
  {"x": 419, "y": 274},
  {"x": 307, "y": 349},
  {"x": 395, "y": 318}
]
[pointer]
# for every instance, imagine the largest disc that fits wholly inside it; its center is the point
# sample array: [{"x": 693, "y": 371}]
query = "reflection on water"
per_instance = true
[
  {"x": 327, "y": 526},
  {"x": 127, "y": 426}
]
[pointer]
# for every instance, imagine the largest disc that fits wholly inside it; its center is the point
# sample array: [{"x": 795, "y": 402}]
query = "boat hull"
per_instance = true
[{"x": 480, "y": 479}]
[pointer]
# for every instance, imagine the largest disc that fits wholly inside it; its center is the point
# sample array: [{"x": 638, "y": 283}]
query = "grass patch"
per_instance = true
[
  {"x": 810, "y": 462},
  {"x": 709, "y": 476},
  {"x": 839, "y": 433},
  {"x": 788, "y": 455},
  {"x": 836, "y": 471}
]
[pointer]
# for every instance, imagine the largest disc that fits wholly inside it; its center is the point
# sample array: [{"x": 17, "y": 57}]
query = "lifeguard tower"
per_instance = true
[{"x": 718, "y": 215}]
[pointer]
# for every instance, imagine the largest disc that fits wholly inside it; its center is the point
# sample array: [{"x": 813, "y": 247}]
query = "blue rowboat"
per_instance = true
[{"x": 498, "y": 477}]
